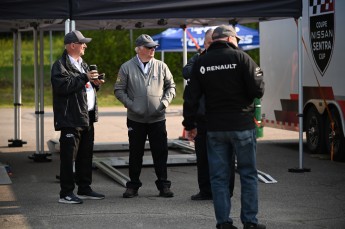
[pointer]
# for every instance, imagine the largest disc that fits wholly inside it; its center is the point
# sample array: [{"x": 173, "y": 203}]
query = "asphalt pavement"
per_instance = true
[{"x": 309, "y": 200}]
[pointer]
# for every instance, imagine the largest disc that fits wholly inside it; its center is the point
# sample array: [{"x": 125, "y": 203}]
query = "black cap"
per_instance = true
[
  {"x": 146, "y": 41},
  {"x": 224, "y": 31},
  {"x": 76, "y": 36}
]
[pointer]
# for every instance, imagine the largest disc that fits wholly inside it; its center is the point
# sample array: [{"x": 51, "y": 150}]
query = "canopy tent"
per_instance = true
[
  {"x": 118, "y": 14},
  {"x": 39, "y": 15},
  {"x": 171, "y": 40}
]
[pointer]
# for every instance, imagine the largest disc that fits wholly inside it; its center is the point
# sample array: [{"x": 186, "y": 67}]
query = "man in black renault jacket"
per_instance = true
[
  {"x": 204, "y": 183},
  {"x": 230, "y": 81}
]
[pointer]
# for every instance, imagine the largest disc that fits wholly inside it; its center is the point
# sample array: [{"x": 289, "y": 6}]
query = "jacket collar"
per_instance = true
[
  {"x": 71, "y": 66},
  {"x": 221, "y": 44}
]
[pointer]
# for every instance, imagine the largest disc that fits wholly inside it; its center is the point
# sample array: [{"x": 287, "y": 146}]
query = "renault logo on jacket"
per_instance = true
[{"x": 217, "y": 68}]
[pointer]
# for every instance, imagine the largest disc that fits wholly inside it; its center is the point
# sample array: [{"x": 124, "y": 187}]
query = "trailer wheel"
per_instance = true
[
  {"x": 314, "y": 131},
  {"x": 338, "y": 138}
]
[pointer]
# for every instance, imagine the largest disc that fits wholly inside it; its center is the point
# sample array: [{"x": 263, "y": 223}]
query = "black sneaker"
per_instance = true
[
  {"x": 253, "y": 226},
  {"x": 70, "y": 199},
  {"x": 201, "y": 196},
  {"x": 165, "y": 192},
  {"x": 130, "y": 193},
  {"x": 90, "y": 195},
  {"x": 226, "y": 226}
]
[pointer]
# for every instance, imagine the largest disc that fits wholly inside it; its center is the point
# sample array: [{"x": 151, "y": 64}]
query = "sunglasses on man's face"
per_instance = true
[{"x": 154, "y": 47}]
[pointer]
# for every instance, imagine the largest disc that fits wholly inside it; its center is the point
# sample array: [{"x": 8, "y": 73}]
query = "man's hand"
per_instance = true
[
  {"x": 97, "y": 81},
  {"x": 190, "y": 134},
  {"x": 93, "y": 77}
]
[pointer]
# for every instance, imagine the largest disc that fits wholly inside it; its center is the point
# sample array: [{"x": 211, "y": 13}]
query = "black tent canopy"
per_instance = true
[{"x": 120, "y": 14}]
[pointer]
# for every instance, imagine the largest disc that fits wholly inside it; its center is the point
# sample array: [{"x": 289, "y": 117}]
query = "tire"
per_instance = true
[
  {"x": 314, "y": 127},
  {"x": 339, "y": 140}
]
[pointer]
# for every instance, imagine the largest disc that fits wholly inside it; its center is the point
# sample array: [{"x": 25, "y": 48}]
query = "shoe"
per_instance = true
[
  {"x": 253, "y": 226},
  {"x": 226, "y": 226},
  {"x": 200, "y": 196},
  {"x": 165, "y": 192},
  {"x": 130, "y": 193},
  {"x": 90, "y": 195},
  {"x": 70, "y": 199}
]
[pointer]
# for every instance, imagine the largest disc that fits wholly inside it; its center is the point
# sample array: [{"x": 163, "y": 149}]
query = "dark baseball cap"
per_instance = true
[
  {"x": 224, "y": 31},
  {"x": 146, "y": 41},
  {"x": 76, "y": 36}
]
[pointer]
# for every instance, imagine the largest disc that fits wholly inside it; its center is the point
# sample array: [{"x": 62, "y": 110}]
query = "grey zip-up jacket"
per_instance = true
[{"x": 146, "y": 96}]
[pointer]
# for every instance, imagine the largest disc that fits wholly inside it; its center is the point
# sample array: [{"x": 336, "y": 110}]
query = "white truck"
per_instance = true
[{"x": 323, "y": 75}]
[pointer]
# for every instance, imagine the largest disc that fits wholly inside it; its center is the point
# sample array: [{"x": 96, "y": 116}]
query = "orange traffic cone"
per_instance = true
[{"x": 183, "y": 137}]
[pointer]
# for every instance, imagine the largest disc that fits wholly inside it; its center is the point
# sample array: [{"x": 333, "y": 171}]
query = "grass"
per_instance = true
[
  {"x": 108, "y": 50},
  {"x": 106, "y": 96}
]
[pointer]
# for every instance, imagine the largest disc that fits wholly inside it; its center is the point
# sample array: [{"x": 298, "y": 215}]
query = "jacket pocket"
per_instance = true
[
  {"x": 155, "y": 106},
  {"x": 139, "y": 105}
]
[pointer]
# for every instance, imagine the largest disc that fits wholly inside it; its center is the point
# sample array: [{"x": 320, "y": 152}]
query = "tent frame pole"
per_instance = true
[
  {"x": 17, "y": 90},
  {"x": 300, "y": 168},
  {"x": 184, "y": 51},
  {"x": 39, "y": 155}
]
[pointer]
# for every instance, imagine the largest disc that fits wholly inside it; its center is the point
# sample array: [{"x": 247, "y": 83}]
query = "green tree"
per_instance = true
[{"x": 108, "y": 50}]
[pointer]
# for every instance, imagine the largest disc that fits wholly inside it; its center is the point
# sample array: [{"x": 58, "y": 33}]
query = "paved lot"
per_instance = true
[{"x": 299, "y": 200}]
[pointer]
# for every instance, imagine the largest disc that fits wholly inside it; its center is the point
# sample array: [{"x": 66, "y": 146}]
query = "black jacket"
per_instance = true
[
  {"x": 69, "y": 95},
  {"x": 230, "y": 81},
  {"x": 187, "y": 75}
]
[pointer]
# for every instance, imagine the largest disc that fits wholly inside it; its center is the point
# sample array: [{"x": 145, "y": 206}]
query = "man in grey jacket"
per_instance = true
[{"x": 146, "y": 88}]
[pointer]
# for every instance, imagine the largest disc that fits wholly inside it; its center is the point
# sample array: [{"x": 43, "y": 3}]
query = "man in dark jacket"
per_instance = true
[
  {"x": 205, "y": 192},
  {"x": 75, "y": 111},
  {"x": 230, "y": 81}
]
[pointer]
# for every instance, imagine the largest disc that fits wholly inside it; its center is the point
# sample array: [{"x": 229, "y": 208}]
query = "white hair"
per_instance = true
[
  {"x": 136, "y": 49},
  {"x": 209, "y": 31}
]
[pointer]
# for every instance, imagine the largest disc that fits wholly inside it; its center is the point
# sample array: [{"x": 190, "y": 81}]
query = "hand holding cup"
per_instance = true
[{"x": 94, "y": 76}]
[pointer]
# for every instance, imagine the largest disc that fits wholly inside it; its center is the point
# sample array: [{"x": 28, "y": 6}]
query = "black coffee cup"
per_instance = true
[{"x": 93, "y": 67}]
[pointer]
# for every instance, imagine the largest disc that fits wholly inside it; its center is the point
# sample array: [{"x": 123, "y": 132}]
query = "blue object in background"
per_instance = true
[{"x": 171, "y": 40}]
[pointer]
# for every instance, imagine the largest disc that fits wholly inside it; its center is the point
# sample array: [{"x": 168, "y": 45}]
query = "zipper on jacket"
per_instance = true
[
  {"x": 76, "y": 98},
  {"x": 66, "y": 107},
  {"x": 150, "y": 79}
]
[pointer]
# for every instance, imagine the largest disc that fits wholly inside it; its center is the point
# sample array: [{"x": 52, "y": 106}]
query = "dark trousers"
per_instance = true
[
  {"x": 157, "y": 135},
  {"x": 76, "y": 144},
  {"x": 202, "y": 162}
]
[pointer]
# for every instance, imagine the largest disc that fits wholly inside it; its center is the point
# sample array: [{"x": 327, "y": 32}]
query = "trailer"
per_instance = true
[{"x": 323, "y": 77}]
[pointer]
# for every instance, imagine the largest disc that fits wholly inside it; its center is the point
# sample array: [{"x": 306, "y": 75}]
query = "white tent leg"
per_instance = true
[
  {"x": 67, "y": 26},
  {"x": 184, "y": 52},
  {"x": 51, "y": 48},
  {"x": 39, "y": 156},
  {"x": 36, "y": 90},
  {"x": 300, "y": 168},
  {"x": 17, "y": 93},
  {"x": 131, "y": 40},
  {"x": 41, "y": 94}
]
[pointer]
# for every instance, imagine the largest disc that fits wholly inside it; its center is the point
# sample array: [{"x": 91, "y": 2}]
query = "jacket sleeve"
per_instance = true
[
  {"x": 254, "y": 78},
  {"x": 191, "y": 97},
  {"x": 120, "y": 88},
  {"x": 187, "y": 69},
  {"x": 169, "y": 87},
  {"x": 63, "y": 82}
]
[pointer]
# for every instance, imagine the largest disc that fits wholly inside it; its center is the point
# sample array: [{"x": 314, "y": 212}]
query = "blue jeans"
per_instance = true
[{"x": 221, "y": 145}]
